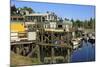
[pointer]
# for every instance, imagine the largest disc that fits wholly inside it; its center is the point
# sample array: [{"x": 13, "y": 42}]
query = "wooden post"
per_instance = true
[
  {"x": 24, "y": 52},
  {"x": 52, "y": 55},
  {"x": 42, "y": 52},
  {"x": 67, "y": 57},
  {"x": 42, "y": 35},
  {"x": 38, "y": 52},
  {"x": 17, "y": 49},
  {"x": 20, "y": 48},
  {"x": 52, "y": 39},
  {"x": 13, "y": 48}
]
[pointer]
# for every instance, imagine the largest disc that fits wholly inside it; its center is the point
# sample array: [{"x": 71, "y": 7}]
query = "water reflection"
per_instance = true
[{"x": 85, "y": 53}]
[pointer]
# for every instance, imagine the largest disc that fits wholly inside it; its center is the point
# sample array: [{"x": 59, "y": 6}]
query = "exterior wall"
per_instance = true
[
  {"x": 34, "y": 18},
  {"x": 53, "y": 25},
  {"x": 14, "y": 39},
  {"x": 27, "y": 12},
  {"x": 17, "y": 18},
  {"x": 41, "y": 17},
  {"x": 28, "y": 23},
  {"x": 46, "y": 26},
  {"x": 66, "y": 28},
  {"x": 51, "y": 16},
  {"x": 31, "y": 35},
  {"x": 14, "y": 36},
  {"x": 17, "y": 27}
]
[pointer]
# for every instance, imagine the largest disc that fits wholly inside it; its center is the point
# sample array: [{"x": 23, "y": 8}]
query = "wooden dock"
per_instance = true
[
  {"x": 45, "y": 48},
  {"x": 45, "y": 53}
]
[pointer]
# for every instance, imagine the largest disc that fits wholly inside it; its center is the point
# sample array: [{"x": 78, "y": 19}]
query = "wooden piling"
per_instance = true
[
  {"x": 38, "y": 52},
  {"x": 52, "y": 55}
]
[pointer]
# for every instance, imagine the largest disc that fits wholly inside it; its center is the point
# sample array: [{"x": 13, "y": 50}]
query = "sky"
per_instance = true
[{"x": 81, "y": 12}]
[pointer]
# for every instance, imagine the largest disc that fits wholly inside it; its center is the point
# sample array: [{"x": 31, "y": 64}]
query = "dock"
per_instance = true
[{"x": 46, "y": 53}]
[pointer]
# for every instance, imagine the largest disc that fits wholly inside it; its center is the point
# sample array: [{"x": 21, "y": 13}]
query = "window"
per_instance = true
[
  {"x": 20, "y": 19},
  {"x": 59, "y": 26},
  {"x": 14, "y": 19}
]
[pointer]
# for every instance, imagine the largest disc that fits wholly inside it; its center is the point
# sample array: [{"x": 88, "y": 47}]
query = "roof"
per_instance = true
[
  {"x": 67, "y": 22},
  {"x": 16, "y": 16},
  {"x": 17, "y": 27},
  {"x": 36, "y": 14}
]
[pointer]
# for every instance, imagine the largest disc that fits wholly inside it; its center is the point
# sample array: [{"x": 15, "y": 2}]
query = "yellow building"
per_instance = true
[
  {"x": 18, "y": 31},
  {"x": 17, "y": 27}
]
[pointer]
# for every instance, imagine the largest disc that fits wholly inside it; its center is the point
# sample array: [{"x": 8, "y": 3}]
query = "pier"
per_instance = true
[{"x": 46, "y": 53}]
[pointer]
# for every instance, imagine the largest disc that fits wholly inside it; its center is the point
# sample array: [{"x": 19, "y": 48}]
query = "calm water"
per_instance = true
[{"x": 86, "y": 53}]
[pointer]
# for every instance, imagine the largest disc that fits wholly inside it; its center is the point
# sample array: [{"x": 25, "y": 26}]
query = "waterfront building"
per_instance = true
[
  {"x": 16, "y": 18},
  {"x": 18, "y": 32},
  {"x": 37, "y": 17}
]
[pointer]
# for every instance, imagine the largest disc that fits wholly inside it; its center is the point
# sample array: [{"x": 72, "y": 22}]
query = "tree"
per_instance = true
[
  {"x": 13, "y": 10},
  {"x": 28, "y": 9},
  {"x": 17, "y": 11},
  {"x": 91, "y": 23},
  {"x": 94, "y": 23},
  {"x": 85, "y": 24},
  {"x": 78, "y": 23},
  {"x": 60, "y": 20},
  {"x": 72, "y": 20},
  {"x": 66, "y": 19}
]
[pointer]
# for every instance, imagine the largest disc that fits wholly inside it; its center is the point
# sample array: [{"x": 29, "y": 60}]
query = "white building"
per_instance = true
[
  {"x": 37, "y": 17},
  {"x": 48, "y": 20}
]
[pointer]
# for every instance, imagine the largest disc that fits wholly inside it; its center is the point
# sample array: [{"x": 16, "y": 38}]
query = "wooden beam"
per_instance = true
[
  {"x": 52, "y": 55},
  {"x": 38, "y": 52},
  {"x": 31, "y": 52},
  {"x": 67, "y": 57}
]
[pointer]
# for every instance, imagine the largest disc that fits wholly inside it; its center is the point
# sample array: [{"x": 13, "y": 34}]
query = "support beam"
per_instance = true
[
  {"x": 52, "y": 55},
  {"x": 33, "y": 51},
  {"x": 17, "y": 49},
  {"x": 42, "y": 54},
  {"x": 68, "y": 52},
  {"x": 67, "y": 58},
  {"x": 38, "y": 52}
]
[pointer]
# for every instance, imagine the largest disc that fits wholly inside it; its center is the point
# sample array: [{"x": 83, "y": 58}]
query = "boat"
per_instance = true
[{"x": 75, "y": 43}]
